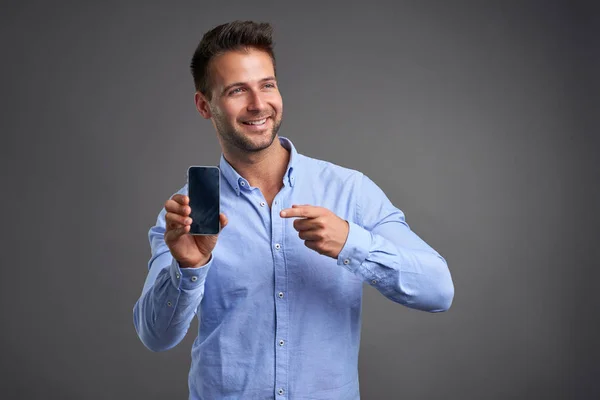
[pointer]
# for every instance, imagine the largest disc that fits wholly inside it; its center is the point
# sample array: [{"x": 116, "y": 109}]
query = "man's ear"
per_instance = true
[{"x": 202, "y": 105}]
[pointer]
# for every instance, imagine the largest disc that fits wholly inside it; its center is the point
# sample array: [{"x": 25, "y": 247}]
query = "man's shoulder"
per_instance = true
[{"x": 328, "y": 170}]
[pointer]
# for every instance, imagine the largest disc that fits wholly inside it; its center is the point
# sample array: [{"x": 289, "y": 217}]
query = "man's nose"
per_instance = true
[{"x": 256, "y": 103}]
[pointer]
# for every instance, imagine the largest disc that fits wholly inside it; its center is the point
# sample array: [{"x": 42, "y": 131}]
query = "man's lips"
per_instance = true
[{"x": 256, "y": 121}]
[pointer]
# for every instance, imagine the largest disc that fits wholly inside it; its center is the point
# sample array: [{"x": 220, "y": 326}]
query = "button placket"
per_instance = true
[{"x": 278, "y": 228}]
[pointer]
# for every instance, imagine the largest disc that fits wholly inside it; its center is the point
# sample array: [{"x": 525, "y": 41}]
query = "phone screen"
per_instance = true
[{"x": 204, "y": 194}]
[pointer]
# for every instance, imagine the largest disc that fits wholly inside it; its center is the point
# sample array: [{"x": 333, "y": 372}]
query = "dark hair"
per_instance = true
[{"x": 236, "y": 35}]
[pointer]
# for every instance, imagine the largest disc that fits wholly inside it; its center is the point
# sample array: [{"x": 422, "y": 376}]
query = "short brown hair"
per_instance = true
[{"x": 236, "y": 35}]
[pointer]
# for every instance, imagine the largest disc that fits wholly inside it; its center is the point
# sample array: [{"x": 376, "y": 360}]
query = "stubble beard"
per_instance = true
[{"x": 241, "y": 141}]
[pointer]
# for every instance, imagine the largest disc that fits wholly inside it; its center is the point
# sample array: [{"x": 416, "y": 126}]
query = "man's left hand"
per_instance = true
[{"x": 321, "y": 230}]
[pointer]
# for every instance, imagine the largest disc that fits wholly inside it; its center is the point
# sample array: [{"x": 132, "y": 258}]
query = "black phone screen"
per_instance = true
[{"x": 203, "y": 191}]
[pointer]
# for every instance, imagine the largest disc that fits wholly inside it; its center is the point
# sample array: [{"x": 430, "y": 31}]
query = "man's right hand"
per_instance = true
[{"x": 189, "y": 250}]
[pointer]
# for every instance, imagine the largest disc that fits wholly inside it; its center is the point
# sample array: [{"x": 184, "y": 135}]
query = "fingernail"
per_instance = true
[
  {"x": 188, "y": 221},
  {"x": 283, "y": 213}
]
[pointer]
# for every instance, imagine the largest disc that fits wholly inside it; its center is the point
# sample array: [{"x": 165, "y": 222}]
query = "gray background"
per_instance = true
[{"x": 475, "y": 118}]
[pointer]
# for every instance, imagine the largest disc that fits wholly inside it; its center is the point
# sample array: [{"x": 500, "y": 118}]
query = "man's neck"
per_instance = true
[{"x": 264, "y": 169}]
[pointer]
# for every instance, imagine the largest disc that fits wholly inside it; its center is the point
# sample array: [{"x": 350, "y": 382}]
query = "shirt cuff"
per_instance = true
[
  {"x": 356, "y": 248},
  {"x": 189, "y": 278}
]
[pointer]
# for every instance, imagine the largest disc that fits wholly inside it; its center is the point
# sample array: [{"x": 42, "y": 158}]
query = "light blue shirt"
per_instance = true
[{"x": 278, "y": 320}]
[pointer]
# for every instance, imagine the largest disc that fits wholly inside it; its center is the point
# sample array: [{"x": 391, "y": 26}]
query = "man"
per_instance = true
[{"x": 278, "y": 292}]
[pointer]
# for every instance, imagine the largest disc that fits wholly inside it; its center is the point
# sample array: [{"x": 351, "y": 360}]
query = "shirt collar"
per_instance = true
[{"x": 239, "y": 183}]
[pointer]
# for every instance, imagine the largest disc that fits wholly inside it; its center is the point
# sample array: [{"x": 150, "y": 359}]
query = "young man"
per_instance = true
[{"x": 278, "y": 292}]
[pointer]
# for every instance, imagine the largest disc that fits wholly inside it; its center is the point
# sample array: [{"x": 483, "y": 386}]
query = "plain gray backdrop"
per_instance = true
[{"x": 476, "y": 119}]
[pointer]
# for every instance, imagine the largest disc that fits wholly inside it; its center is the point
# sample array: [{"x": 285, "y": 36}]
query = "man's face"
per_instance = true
[{"x": 246, "y": 106}]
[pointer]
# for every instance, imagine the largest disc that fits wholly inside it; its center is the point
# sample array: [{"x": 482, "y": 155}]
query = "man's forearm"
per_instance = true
[
  {"x": 164, "y": 311},
  {"x": 415, "y": 277}
]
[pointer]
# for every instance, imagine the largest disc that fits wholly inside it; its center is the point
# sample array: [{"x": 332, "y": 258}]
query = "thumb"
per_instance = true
[{"x": 223, "y": 220}]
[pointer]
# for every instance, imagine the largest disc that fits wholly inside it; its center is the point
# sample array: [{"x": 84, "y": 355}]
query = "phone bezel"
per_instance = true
[{"x": 219, "y": 205}]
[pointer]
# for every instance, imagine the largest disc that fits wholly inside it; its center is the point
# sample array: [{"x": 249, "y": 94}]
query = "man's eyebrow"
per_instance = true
[{"x": 231, "y": 86}]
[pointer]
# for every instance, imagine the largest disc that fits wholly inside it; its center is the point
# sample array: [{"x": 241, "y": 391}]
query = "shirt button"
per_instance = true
[
  {"x": 281, "y": 342},
  {"x": 275, "y": 203},
  {"x": 178, "y": 276},
  {"x": 243, "y": 183},
  {"x": 374, "y": 281},
  {"x": 277, "y": 246},
  {"x": 346, "y": 261},
  {"x": 280, "y": 391},
  {"x": 169, "y": 303},
  {"x": 262, "y": 203},
  {"x": 194, "y": 278},
  {"x": 280, "y": 294}
]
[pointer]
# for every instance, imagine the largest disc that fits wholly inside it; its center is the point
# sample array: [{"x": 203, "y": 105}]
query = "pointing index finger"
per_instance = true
[{"x": 303, "y": 211}]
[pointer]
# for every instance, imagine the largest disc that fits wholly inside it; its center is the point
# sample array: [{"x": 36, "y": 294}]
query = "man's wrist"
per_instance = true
[{"x": 202, "y": 263}]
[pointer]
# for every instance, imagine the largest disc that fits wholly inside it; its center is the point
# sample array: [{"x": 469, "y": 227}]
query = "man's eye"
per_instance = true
[
  {"x": 270, "y": 85},
  {"x": 234, "y": 91}
]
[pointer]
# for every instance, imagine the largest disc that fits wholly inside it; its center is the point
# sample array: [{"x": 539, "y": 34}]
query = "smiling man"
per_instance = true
[{"x": 278, "y": 292}]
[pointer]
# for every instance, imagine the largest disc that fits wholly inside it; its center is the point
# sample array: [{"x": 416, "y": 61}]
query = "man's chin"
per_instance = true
[
  {"x": 256, "y": 141},
  {"x": 261, "y": 141}
]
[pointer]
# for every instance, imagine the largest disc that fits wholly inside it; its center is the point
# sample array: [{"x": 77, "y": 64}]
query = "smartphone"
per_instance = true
[{"x": 204, "y": 191}]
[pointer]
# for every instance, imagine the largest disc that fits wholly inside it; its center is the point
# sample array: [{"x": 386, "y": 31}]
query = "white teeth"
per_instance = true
[{"x": 262, "y": 121}]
